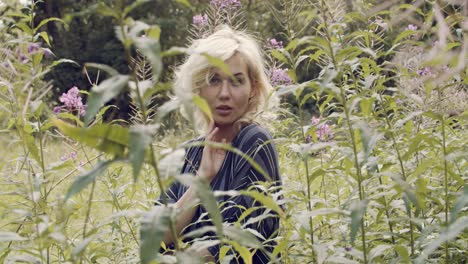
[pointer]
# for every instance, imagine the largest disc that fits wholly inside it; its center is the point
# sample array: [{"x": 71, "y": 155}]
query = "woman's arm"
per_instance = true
[
  {"x": 210, "y": 164},
  {"x": 187, "y": 210}
]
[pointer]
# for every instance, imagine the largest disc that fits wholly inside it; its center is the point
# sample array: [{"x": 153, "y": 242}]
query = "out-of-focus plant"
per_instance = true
[{"x": 384, "y": 101}]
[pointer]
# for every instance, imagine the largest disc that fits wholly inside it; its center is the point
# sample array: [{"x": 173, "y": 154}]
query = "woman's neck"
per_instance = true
[{"x": 227, "y": 133}]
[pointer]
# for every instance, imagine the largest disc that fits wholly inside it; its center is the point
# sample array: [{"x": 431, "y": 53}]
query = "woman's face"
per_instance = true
[{"x": 228, "y": 99}]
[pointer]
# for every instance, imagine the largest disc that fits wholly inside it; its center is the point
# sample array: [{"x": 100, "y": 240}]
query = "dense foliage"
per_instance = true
[{"x": 370, "y": 129}]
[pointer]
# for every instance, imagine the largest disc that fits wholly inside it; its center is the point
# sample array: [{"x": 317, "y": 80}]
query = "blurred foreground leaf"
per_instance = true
[
  {"x": 84, "y": 180},
  {"x": 111, "y": 139},
  {"x": 154, "y": 226},
  {"x": 104, "y": 92},
  {"x": 140, "y": 137}
]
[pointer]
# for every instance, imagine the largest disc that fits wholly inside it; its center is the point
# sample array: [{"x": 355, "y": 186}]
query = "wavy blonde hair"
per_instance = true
[{"x": 193, "y": 74}]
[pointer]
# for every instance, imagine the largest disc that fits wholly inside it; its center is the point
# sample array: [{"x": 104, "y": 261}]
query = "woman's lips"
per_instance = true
[{"x": 223, "y": 110}]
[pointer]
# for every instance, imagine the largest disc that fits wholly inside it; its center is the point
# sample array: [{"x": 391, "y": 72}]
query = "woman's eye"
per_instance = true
[
  {"x": 215, "y": 81},
  {"x": 237, "y": 82}
]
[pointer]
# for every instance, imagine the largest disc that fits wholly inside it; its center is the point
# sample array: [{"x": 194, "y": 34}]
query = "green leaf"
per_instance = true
[
  {"x": 172, "y": 163},
  {"x": 37, "y": 107},
  {"x": 84, "y": 180},
  {"x": 378, "y": 251},
  {"x": 104, "y": 92},
  {"x": 37, "y": 58},
  {"x": 60, "y": 165},
  {"x": 369, "y": 138},
  {"x": 401, "y": 36},
  {"x": 449, "y": 233},
  {"x": 82, "y": 245},
  {"x": 265, "y": 200},
  {"x": 282, "y": 244},
  {"x": 154, "y": 226},
  {"x": 66, "y": 115},
  {"x": 10, "y": 236},
  {"x": 188, "y": 257},
  {"x": 25, "y": 28},
  {"x": 57, "y": 62},
  {"x": 168, "y": 107},
  {"x": 154, "y": 32},
  {"x": 152, "y": 50},
  {"x": 244, "y": 252},
  {"x": 45, "y": 21},
  {"x": 403, "y": 253},
  {"x": 184, "y": 2},
  {"x": 111, "y": 71},
  {"x": 279, "y": 56},
  {"x": 461, "y": 203},
  {"x": 243, "y": 237},
  {"x": 45, "y": 37},
  {"x": 218, "y": 63},
  {"x": 25, "y": 131},
  {"x": 111, "y": 139},
  {"x": 140, "y": 137},
  {"x": 105, "y": 10},
  {"x": 292, "y": 44},
  {"x": 202, "y": 105},
  {"x": 207, "y": 198},
  {"x": 173, "y": 51},
  {"x": 358, "y": 210}
]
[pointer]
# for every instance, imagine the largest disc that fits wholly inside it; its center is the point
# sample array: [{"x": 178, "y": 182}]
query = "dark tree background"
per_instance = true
[{"x": 90, "y": 37}]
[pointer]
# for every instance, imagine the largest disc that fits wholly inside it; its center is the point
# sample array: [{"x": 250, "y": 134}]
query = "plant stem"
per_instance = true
[
  {"x": 154, "y": 163},
  {"x": 402, "y": 168},
  {"x": 446, "y": 183},
  {"x": 350, "y": 128},
  {"x": 309, "y": 195},
  {"x": 357, "y": 166},
  {"x": 88, "y": 213}
]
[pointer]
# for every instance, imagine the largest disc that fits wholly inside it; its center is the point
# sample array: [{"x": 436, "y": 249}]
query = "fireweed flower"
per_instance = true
[
  {"x": 72, "y": 156},
  {"x": 280, "y": 77},
  {"x": 71, "y": 102},
  {"x": 412, "y": 27},
  {"x": 323, "y": 131},
  {"x": 200, "y": 21},
  {"x": 23, "y": 58},
  {"x": 425, "y": 72},
  {"x": 315, "y": 121},
  {"x": 274, "y": 44},
  {"x": 33, "y": 48},
  {"x": 226, "y": 4}
]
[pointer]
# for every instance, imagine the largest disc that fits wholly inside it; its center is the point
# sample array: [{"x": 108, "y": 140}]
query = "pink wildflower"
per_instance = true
[
  {"x": 425, "y": 72},
  {"x": 274, "y": 44},
  {"x": 33, "y": 48},
  {"x": 315, "y": 121},
  {"x": 323, "y": 131},
  {"x": 412, "y": 27},
  {"x": 71, "y": 102},
  {"x": 280, "y": 77},
  {"x": 200, "y": 21}
]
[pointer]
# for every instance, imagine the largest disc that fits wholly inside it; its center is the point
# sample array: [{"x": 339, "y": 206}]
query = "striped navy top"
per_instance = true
[{"x": 236, "y": 173}]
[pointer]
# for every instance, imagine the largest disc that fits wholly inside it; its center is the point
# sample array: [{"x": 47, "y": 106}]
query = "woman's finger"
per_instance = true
[
  {"x": 211, "y": 127},
  {"x": 211, "y": 136}
]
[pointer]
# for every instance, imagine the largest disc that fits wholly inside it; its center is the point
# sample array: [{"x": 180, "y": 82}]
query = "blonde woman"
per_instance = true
[{"x": 235, "y": 102}]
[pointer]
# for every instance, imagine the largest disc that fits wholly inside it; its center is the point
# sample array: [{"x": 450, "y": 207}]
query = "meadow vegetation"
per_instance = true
[{"x": 369, "y": 117}]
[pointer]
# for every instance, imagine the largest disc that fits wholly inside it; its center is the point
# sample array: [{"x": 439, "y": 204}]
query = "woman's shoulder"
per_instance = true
[
  {"x": 254, "y": 131},
  {"x": 192, "y": 146},
  {"x": 251, "y": 135}
]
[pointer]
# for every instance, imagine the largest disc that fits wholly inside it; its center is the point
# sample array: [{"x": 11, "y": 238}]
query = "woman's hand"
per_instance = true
[{"x": 212, "y": 158}]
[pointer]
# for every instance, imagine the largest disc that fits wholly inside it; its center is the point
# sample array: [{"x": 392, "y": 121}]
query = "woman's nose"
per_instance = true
[{"x": 224, "y": 90}]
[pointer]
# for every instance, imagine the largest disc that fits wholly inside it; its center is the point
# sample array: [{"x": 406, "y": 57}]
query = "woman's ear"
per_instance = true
[{"x": 253, "y": 91}]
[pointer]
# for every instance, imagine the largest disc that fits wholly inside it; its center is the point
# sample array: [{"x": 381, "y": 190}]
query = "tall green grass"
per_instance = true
[{"x": 390, "y": 185}]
